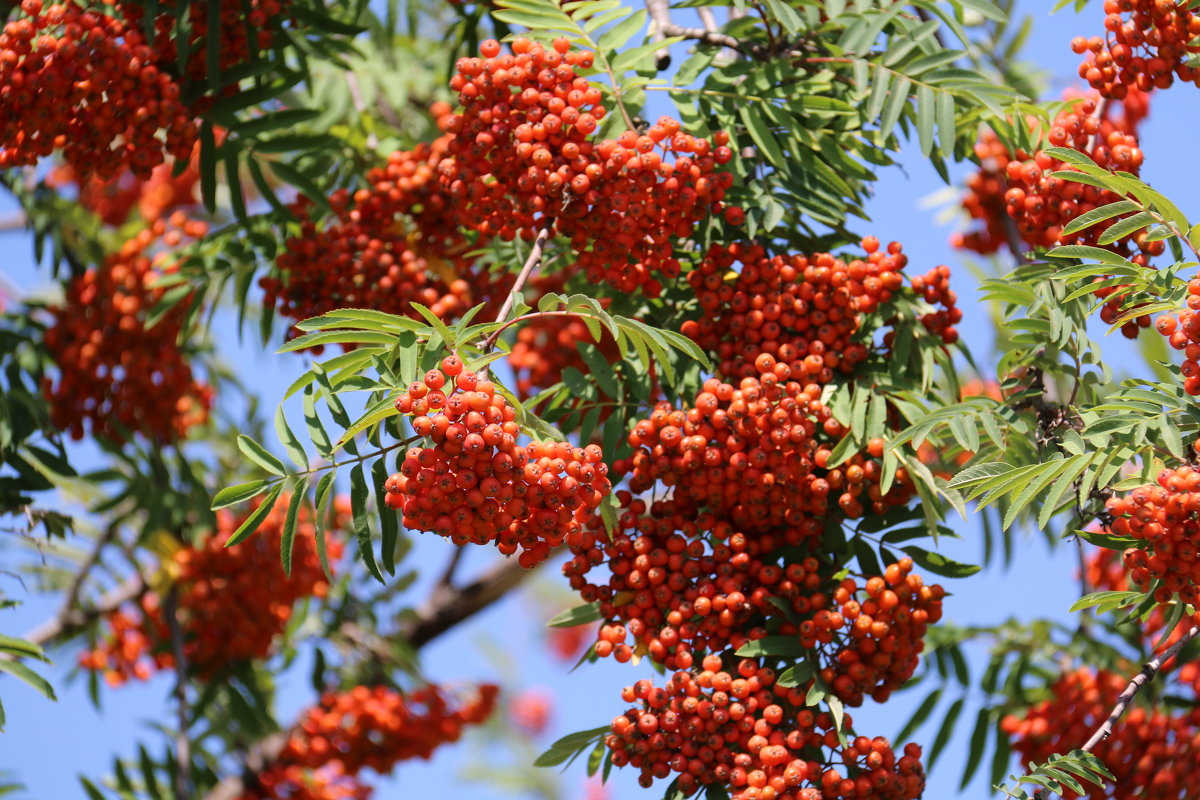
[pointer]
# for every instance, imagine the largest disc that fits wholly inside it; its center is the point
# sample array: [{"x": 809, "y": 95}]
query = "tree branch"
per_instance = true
[
  {"x": 531, "y": 263},
  {"x": 1149, "y": 671},
  {"x": 70, "y": 621},
  {"x": 437, "y": 616}
]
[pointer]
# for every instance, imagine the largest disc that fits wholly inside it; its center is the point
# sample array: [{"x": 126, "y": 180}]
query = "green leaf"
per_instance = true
[
  {"x": 979, "y": 736},
  {"x": 232, "y": 495},
  {"x": 290, "y": 442},
  {"x": 570, "y": 745},
  {"x": 939, "y": 564},
  {"x": 256, "y": 517},
  {"x": 260, "y": 455},
  {"x": 1100, "y": 214},
  {"x": 920, "y": 715},
  {"x": 926, "y": 112},
  {"x": 780, "y": 646},
  {"x": 324, "y": 495},
  {"x": 579, "y": 615},
  {"x": 23, "y": 673},
  {"x": 362, "y": 528},
  {"x": 619, "y": 35},
  {"x": 760, "y": 131},
  {"x": 1125, "y": 227},
  {"x": 944, "y": 733},
  {"x": 289, "y": 524}
]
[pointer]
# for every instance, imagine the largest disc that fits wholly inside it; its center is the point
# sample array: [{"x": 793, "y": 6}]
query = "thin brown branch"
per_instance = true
[
  {"x": 183, "y": 746},
  {"x": 70, "y": 621},
  {"x": 660, "y": 19},
  {"x": 1149, "y": 671},
  {"x": 17, "y": 221},
  {"x": 531, "y": 263},
  {"x": 438, "y": 616},
  {"x": 72, "y": 598}
]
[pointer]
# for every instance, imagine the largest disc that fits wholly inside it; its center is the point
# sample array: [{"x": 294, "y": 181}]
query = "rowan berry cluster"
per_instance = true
[
  {"x": 216, "y": 585},
  {"x": 988, "y": 198},
  {"x": 87, "y": 84},
  {"x": 392, "y": 243},
  {"x": 521, "y": 158},
  {"x": 1149, "y": 753},
  {"x": 1042, "y": 204},
  {"x": 1183, "y": 333},
  {"x": 680, "y": 583},
  {"x": 1148, "y": 43},
  {"x": 739, "y": 728},
  {"x": 1163, "y": 518},
  {"x": 117, "y": 376},
  {"x": 359, "y": 261},
  {"x": 243, "y": 31},
  {"x": 754, "y": 454},
  {"x": 475, "y": 484},
  {"x": 365, "y": 727}
]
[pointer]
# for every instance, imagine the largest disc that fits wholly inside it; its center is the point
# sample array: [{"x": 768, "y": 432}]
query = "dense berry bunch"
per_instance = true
[
  {"x": 522, "y": 157},
  {"x": 987, "y": 198},
  {"x": 1148, "y": 44},
  {"x": 114, "y": 200},
  {"x": 1042, "y": 205},
  {"x": 1163, "y": 518},
  {"x": 738, "y": 728},
  {"x": 754, "y": 454},
  {"x": 1140, "y": 753},
  {"x": 870, "y": 635},
  {"x": 802, "y": 310},
  {"x": 217, "y": 585},
  {"x": 934, "y": 288},
  {"x": 245, "y": 28},
  {"x": 116, "y": 376},
  {"x": 373, "y": 728},
  {"x": 379, "y": 727},
  {"x": 356, "y": 262},
  {"x": 87, "y": 84},
  {"x": 475, "y": 484},
  {"x": 680, "y": 584}
]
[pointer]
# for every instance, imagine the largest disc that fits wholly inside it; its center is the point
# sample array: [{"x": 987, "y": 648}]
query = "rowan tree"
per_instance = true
[{"x": 588, "y": 290}]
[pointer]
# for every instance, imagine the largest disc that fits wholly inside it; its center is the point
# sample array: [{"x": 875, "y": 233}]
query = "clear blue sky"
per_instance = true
[{"x": 47, "y": 745}]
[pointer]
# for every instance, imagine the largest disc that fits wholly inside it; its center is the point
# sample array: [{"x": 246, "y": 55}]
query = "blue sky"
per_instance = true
[{"x": 48, "y": 744}]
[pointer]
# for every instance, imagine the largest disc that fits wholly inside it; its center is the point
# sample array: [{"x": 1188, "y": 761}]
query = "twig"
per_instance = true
[
  {"x": 360, "y": 105},
  {"x": 707, "y": 19},
  {"x": 72, "y": 598},
  {"x": 660, "y": 19},
  {"x": 183, "y": 747},
  {"x": 1149, "y": 671},
  {"x": 531, "y": 263},
  {"x": 17, "y": 221},
  {"x": 446, "y": 582},
  {"x": 68, "y": 622}
]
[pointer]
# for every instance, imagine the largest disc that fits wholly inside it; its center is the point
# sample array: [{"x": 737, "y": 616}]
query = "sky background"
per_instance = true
[{"x": 47, "y": 745}]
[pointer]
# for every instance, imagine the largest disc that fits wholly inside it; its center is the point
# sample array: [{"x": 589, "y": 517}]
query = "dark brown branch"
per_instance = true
[
  {"x": 433, "y": 619},
  {"x": 439, "y": 616}
]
